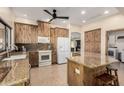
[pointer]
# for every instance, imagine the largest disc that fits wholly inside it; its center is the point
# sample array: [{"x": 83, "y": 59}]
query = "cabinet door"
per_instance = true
[
  {"x": 18, "y": 32},
  {"x": 97, "y": 47},
  {"x": 62, "y": 32},
  {"x": 43, "y": 29},
  {"x": 93, "y": 41},
  {"x": 33, "y": 34},
  {"x": 25, "y": 33},
  {"x": 97, "y": 36},
  {"x": 75, "y": 74},
  {"x": 33, "y": 59},
  {"x": 53, "y": 38}
]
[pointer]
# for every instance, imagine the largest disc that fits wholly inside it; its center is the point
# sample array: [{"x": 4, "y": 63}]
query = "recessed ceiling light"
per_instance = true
[
  {"x": 25, "y": 15},
  {"x": 84, "y": 21},
  {"x": 106, "y": 12},
  {"x": 64, "y": 21},
  {"x": 47, "y": 19},
  {"x": 83, "y": 12}
]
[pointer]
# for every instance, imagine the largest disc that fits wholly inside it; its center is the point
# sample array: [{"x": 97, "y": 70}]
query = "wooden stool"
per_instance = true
[
  {"x": 110, "y": 69},
  {"x": 107, "y": 78}
]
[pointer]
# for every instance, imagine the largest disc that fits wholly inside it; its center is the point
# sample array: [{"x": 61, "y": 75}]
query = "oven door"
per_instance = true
[{"x": 44, "y": 57}]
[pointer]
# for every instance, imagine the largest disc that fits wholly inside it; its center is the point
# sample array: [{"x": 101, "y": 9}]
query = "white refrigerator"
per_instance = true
[{"x": 63, "y": 50}]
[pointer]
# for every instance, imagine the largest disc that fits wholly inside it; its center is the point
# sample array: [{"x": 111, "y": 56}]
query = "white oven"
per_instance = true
[{"x": 44, "y": 57}]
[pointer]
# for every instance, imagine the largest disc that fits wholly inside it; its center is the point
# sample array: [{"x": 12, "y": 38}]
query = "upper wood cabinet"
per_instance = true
[
  {"x": 43, "y": 29},
  {"x": 93, "y": 41},
  {"x": 61, "y": 32},
  {"x": 25, "y": 33}
]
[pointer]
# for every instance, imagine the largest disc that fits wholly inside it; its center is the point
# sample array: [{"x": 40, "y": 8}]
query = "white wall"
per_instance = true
[
  {"x": 110, "y": 23},
  {"x": 8, "y": 16},
  {"x": 75, "y": 28}
]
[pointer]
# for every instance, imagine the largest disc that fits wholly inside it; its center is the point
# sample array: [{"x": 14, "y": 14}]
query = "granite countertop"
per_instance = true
[
  {"x": 93, "y": 60},
  {"x": 18, "y": 73}
]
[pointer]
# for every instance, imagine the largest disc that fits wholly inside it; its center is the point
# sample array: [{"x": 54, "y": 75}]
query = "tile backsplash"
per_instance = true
[{"x": 33, "y": 47}]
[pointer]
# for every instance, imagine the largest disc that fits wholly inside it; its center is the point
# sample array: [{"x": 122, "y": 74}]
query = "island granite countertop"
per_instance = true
[
  {"x": 82, "y": 70},
  {"x": 93, "y": 60}
]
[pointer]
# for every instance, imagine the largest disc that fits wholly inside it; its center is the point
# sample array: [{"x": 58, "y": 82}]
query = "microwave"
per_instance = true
[{"x": 43, "y": 39}]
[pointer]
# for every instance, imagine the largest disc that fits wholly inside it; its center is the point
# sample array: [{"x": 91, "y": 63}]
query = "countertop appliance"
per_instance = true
[
  {"x": 63, "y": 49},
  {"x": 44, "y": 57}
]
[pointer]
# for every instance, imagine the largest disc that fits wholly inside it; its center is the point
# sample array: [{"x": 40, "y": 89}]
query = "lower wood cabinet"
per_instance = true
[
  {"x": 33, "y": 58},
  {"x": 74, "y": 78}
]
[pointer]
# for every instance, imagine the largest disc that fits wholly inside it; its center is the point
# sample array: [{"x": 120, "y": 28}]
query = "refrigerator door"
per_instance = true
[{"x": 62, "y": 49}]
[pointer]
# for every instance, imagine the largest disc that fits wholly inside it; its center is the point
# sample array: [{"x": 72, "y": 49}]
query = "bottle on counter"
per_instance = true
[{"x": 23, "y": 49}]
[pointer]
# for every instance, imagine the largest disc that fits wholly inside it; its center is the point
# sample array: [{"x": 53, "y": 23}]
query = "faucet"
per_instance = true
[
  {"x": 15, "y": 47},
  {"x": 7, "y": 49},
  {"x": 3, "y": 45}
]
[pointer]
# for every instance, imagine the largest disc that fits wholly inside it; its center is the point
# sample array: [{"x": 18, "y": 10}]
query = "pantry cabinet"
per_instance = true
[
  {"x": 25, "y": 33},
  {"x": 54, "y": 34},
  {"x": 93, "y": 41}
]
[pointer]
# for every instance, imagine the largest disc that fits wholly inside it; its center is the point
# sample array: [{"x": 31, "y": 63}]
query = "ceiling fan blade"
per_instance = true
[
  {"x": 51, "y": 19},
  {"x": 62, "y": 17},
  {"x": 48, "y": 12}
]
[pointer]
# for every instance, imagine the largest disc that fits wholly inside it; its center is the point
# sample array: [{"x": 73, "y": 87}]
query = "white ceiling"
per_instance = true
[{"x": 74, "y": 13}]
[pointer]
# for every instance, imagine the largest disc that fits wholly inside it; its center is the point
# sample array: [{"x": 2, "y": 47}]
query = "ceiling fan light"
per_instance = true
[
  {"x": 64, "y": 21},
  {"x": 106, "y": 12},
  {"x": 84, "y": 21}
]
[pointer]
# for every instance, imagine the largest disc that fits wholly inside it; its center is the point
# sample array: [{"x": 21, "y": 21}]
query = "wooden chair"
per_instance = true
[{"x": 108, "y": 78}]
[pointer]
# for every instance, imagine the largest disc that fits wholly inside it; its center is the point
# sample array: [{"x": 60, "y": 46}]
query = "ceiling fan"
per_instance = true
[{"x": 54, "y": 15}]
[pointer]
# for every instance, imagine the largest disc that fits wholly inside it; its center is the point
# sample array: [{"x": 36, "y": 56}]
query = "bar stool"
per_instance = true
[{"x": 108, "y": 78}]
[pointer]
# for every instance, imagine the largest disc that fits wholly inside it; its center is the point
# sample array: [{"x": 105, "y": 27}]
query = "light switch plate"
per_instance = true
[{"x": 77, "y": 71}]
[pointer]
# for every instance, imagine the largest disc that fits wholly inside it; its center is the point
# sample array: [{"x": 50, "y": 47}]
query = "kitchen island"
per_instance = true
[
  {"x": 18, "y": 73},
  {"x": 82, "y": 70}
]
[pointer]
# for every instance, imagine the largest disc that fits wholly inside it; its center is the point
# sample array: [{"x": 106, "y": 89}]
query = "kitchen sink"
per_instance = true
[{"x": 15, "y": 57}]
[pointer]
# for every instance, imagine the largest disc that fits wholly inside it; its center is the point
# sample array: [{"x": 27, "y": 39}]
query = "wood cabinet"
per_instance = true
[
  {"x": 53, "y": 40},
  {"x": 25, "y": 33},
  {"x": 61, "y": 32},
  {"x": 74, "y": 78},
  {"x": 43, "y": 29},
  {"x": 54, "y": 34},
  {"x": 34, "y": 58},
  {"x": 93, "y": 41}
]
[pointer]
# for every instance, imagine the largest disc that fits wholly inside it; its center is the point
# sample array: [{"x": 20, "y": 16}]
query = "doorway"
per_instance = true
[
  {"x": 115, "y": 44},
  {"x": 76, "y": 44}
]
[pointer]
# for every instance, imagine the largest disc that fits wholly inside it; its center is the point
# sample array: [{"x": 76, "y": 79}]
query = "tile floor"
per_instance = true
[
  {"x": 49, "y": 75},
  {"x": 57, "y": 75}
]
